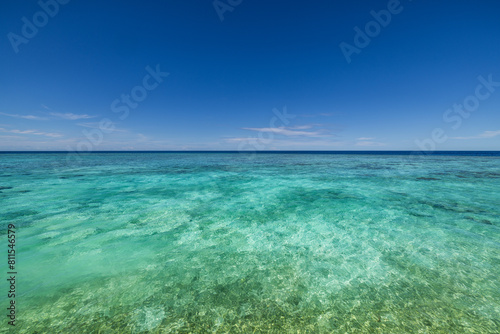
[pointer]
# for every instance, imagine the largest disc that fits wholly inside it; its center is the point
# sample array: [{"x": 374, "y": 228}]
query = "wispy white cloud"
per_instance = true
[
  {"x": 485, "y": 134},
  {"x": 95, "y": 125},
  {"x": 141, "y": 137},
  {"x": 288, "y": 132},
  {"x": 68, "y": 116},
  {"x": 71, "y": 116},
  {"x": 32, "y": 132},
  {"x": 110, "y": 142},
  {"x": 11, "y": 137},
  {"x": 490, "y": 134},
  {"x": 286, "y": 144},
  {"x": 28, "y": 143},
  {"x": 300, "y": 127},
  {"x": 239, "y": 139},
  {"x": 32, "y": 117},
  {"x": 369, "y": 143}
]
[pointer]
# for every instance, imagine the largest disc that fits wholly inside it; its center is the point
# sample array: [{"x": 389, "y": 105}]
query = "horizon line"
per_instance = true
[{"x": 257, "y": 151}]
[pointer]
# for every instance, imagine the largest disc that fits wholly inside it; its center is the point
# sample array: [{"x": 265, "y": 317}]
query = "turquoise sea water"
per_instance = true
[{"x": 280, "y": 243}]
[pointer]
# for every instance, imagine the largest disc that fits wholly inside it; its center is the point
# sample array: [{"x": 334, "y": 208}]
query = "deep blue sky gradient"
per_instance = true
[{"x": 226, "y": 77}]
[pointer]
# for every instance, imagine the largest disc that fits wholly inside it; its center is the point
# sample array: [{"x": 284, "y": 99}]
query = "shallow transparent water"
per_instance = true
[{"x": 145, "y": 242}]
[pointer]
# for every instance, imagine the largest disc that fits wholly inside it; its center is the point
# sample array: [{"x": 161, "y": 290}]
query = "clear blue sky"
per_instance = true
[{"x": 58, "y": 84}]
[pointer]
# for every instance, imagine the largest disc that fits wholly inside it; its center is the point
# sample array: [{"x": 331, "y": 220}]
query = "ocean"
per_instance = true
[{"x": 307, "y": 242}]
